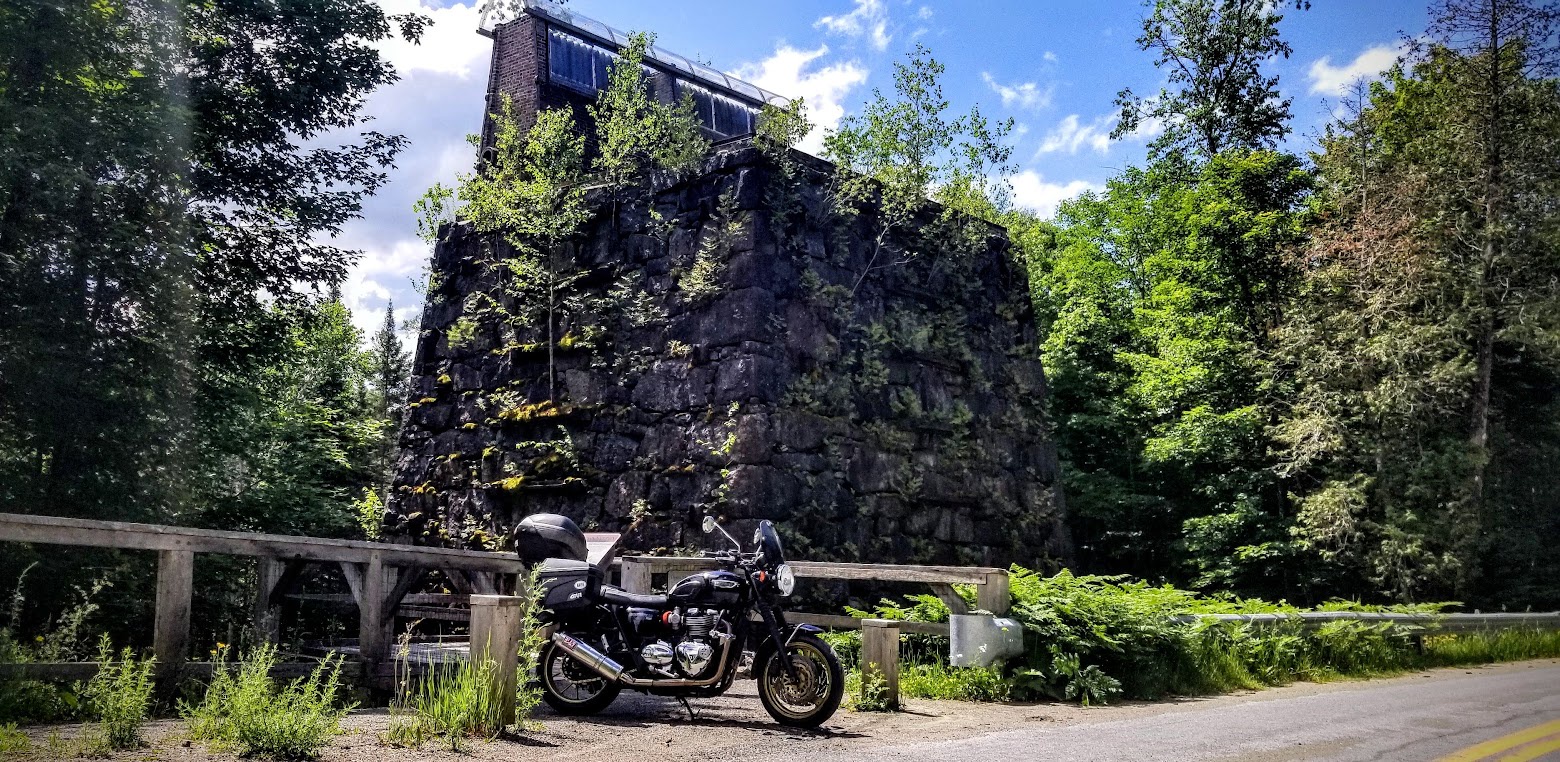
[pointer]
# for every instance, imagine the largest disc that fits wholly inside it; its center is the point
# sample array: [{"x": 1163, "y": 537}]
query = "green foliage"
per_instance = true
[
  {"x": 1159, "y": 299},
  {"x": 944, "y": 683},
  {"x": 871, "y": 694},
  {"x": 246, "y": 711},
  {"x": 120, "y": 697},
  {"x": 902, "y": 151},
  {"x": 702, "y": 281},
  {"x": 635, "y": 132},
  {"x": 13, "y": 742}
]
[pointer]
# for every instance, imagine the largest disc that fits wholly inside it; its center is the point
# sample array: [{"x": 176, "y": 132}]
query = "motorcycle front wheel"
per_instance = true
[
  {"x": 570, "y": 687},
  {"x": 813, "y": 695}
]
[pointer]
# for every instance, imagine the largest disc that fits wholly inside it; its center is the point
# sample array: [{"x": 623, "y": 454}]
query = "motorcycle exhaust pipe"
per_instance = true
[
  {"x": 599, "y": 662},
  {"x": 604, "y": 666}
]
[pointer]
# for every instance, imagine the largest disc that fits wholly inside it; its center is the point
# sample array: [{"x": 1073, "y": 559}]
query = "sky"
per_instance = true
[{"x": 1054, "y": 66}]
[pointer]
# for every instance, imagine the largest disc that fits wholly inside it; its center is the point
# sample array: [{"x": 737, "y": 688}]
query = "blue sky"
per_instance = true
[{"x": 1054, "y": 66}]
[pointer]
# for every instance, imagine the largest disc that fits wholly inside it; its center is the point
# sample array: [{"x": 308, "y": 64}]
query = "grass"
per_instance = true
[
  {"x": 460, "y": 699},
  {"x": 456, "y": 701},
  {"x": 120, "y": 696},
  {"x": 248, "y": 712}
]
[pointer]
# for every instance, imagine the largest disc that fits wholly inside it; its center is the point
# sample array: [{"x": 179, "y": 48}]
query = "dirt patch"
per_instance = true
[{"x": 733, "y": 726}]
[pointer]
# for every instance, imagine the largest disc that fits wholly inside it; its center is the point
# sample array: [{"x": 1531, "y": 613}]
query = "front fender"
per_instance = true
[{"x": 767, "y": 648}]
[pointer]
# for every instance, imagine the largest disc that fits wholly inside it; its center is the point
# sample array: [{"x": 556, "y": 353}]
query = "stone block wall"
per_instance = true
[{"x": 895, "y": 420}]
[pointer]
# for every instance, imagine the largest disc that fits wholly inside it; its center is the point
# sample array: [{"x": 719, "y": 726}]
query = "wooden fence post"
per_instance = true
[
  {"x": 175, "y": 585},
  {"x": 495, "y": 636},
  {"x": 375, "y": 630},
  {"x": 993, "y": 595},
  {"x": 880, "y": 654},
  {"x": 636, "y": 576}
]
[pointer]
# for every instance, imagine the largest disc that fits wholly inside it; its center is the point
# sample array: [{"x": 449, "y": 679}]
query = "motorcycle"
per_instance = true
[{"x": 687, "y": 643}]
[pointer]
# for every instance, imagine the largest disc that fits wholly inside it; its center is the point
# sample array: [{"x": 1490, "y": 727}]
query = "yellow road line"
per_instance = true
[
  {"x": 1534, "y": 751},
  {"x": 1505, "y": 743}
]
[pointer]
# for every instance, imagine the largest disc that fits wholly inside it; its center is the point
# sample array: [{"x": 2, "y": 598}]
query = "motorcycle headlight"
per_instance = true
[{"x": 785, "y": 579}]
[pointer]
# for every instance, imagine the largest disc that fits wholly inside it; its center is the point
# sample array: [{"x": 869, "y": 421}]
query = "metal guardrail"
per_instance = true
[{"x": 1447, "y": 623}]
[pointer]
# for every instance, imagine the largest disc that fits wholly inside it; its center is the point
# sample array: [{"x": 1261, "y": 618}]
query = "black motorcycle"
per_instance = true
[{"x": 688, "y": 643}]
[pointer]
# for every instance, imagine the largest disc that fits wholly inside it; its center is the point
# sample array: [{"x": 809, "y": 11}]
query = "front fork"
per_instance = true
[{"x": 774, "y": 619}]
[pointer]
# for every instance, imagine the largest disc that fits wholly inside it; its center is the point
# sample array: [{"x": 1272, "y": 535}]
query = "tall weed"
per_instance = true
[
  {"x": 246, "y": 711},
  {"x": 120, "y": 696}
]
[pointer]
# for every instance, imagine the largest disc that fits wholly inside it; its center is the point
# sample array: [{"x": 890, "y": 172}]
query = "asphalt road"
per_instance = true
[{"x": 1503, "y": 714}]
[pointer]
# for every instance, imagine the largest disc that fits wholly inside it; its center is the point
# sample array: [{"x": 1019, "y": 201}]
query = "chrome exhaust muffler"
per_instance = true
[{"x": 604, "y": 666}]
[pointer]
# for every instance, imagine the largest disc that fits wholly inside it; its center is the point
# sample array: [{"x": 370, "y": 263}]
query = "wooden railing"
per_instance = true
[
  {"x": 991, "y": 585},
  {"x": 379, "y": 576}
]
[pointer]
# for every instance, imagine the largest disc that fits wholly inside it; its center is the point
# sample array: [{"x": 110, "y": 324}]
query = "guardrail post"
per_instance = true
[
  {"x": 636, "y": 576},
  {"x": 880, "y": 655},
  {"x": 175, "y": 585},
  {"x": 495, "y": 636},
  {"x": 993, "y": 594}
]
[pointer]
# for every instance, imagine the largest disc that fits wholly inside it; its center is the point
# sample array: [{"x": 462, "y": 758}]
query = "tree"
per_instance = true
[
  {"x": 1212, "y": 53},
  {"x": 390, "y": 381},
  {"x": 902, "y": 151},
  {"x": 1156, "y": 300},
  {"x": 1423, "y": 352}
]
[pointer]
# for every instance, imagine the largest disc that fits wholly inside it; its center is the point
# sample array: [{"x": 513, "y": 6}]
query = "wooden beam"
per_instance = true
[
  {"x": 880, "y": 656},
  {"x": 636, "y": 575},
  {"x": 945, "y": 575},
  {"x": 495, "y": 636},
  {"x": 265, "y": 619},
  {"x": 175, "y": 586},
  {"x": 81, "y": 671},
  {"x": 49, "y": 530},
  {"x": 409, "y": 577},
  {"x": 951, "y": 599}
]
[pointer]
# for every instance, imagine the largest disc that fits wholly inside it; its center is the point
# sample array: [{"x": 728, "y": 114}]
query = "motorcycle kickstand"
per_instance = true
[{"x": 692, "y": 715}]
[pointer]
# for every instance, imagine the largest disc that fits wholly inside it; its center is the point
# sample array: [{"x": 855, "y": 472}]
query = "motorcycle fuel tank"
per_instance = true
[{"x": 711, "y": 588}]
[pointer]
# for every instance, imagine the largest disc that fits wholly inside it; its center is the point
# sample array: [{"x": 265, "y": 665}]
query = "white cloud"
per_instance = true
[
  {"x": 384, "y": 275},
  {"x": 1051, "y": 57},
  {"x": 1024, "y": 95},
  {"x": 1031, "y": 191},
  {"x": 869, "y": 20},
  {"x": 926, "y": 13},
  {"x": 793, "y": 73},
  {"x": 1072, "y": 135},
  {"x": 1327, "y": 79},
  {"x": 450, "y": 46}
]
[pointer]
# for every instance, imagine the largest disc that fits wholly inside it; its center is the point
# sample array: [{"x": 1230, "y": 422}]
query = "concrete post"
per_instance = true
[
  {"x": 880, "y": 655},
  {"x": 495, "y": 635}
]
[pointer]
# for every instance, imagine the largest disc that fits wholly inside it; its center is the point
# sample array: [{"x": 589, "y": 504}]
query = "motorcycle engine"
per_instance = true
[{"x": 692, "y": 652}]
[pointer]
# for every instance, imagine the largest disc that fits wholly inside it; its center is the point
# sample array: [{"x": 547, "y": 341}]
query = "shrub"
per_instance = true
[
  {"x": 871, "y": 694},
  {"x": 1092, "y": 639},
  {"x": 119, "y": 696},
  {"x": 13, "y": 741},
  {"x": 248, "y": 712}
]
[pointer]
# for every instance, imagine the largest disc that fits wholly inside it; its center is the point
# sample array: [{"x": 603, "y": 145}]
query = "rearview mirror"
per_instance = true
[{"x": 709, "y": 525}]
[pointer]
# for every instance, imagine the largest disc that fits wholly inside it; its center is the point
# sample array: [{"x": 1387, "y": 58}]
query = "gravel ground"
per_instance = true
[{"x": 731, "y": 727}]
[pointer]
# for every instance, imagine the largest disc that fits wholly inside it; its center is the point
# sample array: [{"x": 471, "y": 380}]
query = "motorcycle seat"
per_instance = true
[{"x": 621, "y": 597}]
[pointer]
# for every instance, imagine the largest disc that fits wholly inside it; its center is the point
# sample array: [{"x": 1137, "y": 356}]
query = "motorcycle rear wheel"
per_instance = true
[
  {"x": 814, "y": 695},
  {"x": 570, "y": 687}
]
